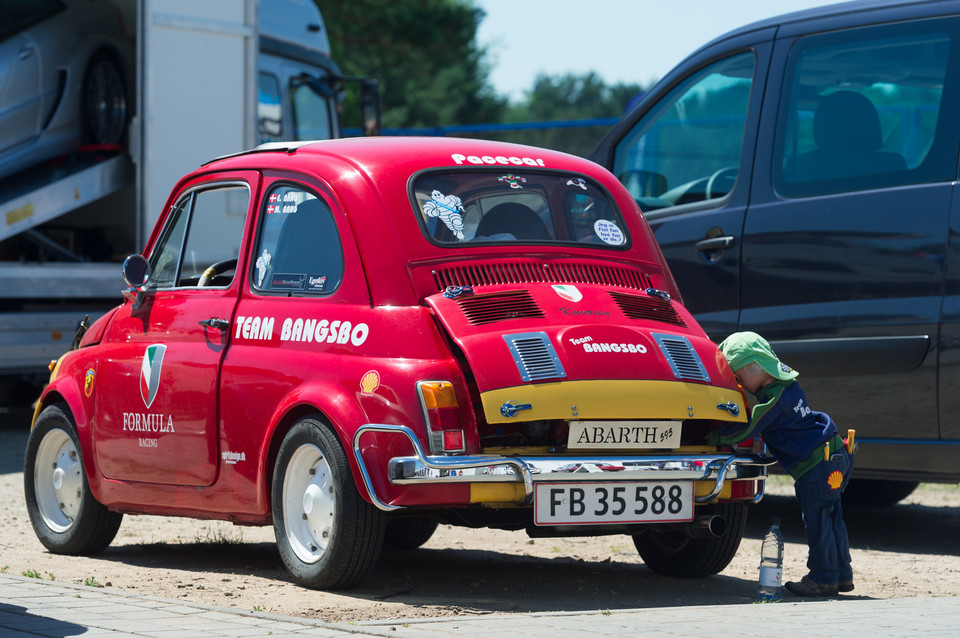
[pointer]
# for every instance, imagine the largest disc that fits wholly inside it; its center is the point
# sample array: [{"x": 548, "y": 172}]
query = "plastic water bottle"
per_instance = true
[{"x": 771, "y": 564}]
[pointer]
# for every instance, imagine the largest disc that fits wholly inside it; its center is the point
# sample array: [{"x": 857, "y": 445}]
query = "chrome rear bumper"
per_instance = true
[{"x": 421, "y": 468}]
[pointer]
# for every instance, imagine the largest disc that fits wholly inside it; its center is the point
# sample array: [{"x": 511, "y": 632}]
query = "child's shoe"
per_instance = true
[{"x": 809, "y": 587}]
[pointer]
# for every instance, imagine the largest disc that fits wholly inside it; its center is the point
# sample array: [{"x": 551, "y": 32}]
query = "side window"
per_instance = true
[
  {"x": 311, "y": 112},
  {"x": 298, "y": 249},
  {"x": 687, "y": 148},
  {"x": 201, "y": 242},
  {"x": 269, "y": 109},
  {"x": 862, "y": 109}
]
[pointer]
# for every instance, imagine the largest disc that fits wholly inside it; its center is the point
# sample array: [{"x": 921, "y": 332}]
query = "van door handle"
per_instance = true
[
  {"x": 216, "y": 324},
  {"x": 715, "y": 243}
]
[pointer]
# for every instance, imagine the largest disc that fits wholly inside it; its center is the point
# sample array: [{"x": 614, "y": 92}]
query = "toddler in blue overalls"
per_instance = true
[{"x": 808, "y": 446}]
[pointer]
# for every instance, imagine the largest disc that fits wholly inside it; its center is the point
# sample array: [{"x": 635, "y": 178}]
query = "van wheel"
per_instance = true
[
  {"x": 674, "y": 553},
  {"x": 65, "y": 516},
  {"x": 328, "y": 536},
  {"x": 409, "y": 533},
  {"x": 877, "y": 492},
  {"x": 103, "y": 102}
]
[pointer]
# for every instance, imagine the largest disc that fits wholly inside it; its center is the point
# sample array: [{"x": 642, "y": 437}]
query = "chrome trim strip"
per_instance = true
[{"x": 422, "y": 469}]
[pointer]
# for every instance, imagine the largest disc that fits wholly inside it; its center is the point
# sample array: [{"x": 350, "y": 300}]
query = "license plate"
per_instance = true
[
  {"x": 612, "y": 502},
  {"x": 623, "y": 435}
]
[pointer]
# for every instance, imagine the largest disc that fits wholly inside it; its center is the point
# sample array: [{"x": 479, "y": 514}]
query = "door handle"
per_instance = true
[
  {"x": 217, "y": 324},
  {"x": 715, "y": 243},
  {"x": 25, "y": 52}
]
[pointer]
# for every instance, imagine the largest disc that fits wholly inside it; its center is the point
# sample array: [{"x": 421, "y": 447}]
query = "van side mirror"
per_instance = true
[{"x": 370, "y": 106}]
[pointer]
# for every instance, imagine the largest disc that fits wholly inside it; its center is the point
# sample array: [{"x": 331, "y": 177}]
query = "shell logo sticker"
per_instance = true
[
  {"x": 835, "y": 480},
  {"x": 369, "y": 383},
  {"x": 88, "y": 383},
  {"x": 570, "y": 293},
  {"x": 150, "y": 372}
]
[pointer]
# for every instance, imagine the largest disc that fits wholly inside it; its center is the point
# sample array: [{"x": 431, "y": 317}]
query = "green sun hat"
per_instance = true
[{"x": 743, "y": 348}]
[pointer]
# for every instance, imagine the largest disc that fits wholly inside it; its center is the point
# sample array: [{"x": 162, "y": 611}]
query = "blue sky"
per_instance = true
[{"x": 622, "y": 40}]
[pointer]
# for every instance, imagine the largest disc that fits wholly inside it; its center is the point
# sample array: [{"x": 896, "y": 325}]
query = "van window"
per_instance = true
[
  {"x": 862, "y": 109},
  {"x": 269, "y": 108},
  {"x": 687, "y": 148},
  {"x": 311, "y": 113},
  {"x": 299, "y": 249}
]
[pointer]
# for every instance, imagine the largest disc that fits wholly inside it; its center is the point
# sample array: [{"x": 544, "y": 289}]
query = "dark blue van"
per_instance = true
[{"x": 801, "y": 175}]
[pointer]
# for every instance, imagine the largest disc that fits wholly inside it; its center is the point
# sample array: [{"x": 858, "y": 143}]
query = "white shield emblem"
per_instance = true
[
  {"x": 570, "y": 293},
  {"x": 150, "y": 372}
]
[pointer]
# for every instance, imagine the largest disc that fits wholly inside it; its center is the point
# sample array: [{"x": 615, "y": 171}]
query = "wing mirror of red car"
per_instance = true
[{"x": 136, "y": 273}]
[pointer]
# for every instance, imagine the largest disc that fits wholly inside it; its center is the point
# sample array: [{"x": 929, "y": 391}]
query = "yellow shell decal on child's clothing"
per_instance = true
[{"x": 835, "y": 480}]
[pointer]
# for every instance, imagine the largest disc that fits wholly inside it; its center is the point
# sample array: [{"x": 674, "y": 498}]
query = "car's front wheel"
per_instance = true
[
  {"x": 328, "y": 536},
  {"x": 675, "y": 553},
  {"x": 65, "y": 516}
]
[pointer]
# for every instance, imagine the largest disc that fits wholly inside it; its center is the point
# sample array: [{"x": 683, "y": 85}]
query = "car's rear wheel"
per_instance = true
[
  {"x": 674, "y": 553},
  {"x": 103, "y": 102},
  {"x": 409, "y": 533},
  {"x": 65, "y": 516},
  {"x": 328, "y": 536}
]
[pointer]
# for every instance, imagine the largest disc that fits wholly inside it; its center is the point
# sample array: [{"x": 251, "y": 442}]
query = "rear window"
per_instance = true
[{"x": 520, "y": 207}]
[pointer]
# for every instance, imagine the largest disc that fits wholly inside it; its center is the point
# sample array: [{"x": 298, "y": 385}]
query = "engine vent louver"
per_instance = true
[
  {"x": 649, "y": 308},
  {"x": 535, "y": 356},
  {"x": 499, "y": 306},
  {"x": 525, "y": 271},
  {"x": 683, "y": 359}
]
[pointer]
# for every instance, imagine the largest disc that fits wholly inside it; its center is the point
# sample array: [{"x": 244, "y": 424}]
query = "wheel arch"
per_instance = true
[{"x": 342, "y": 414}]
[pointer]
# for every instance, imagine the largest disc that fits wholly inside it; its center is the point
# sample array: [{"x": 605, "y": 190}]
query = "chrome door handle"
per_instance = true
[
  {"x": 217, "y": 324},
  {"x": 715, "y": 243}
]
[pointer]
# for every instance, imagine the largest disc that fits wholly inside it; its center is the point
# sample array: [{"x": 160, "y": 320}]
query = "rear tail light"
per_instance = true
[{"x": 441, "y": 413}]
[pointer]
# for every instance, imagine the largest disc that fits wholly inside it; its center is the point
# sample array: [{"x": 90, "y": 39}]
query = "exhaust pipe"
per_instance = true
[{"x": 707, "y": 527}]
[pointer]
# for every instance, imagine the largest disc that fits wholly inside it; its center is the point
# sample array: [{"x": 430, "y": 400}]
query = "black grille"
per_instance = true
[
  {"x": 525, "y": 271},
  {"x": 499, "y": 306},
  {"x": 648, "y": 308},
  {"x": 683, "y": 359},
  {"x": 535, "y": 356}
]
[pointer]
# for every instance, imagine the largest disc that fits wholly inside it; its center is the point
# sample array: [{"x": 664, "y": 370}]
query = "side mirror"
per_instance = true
[
  {"x": 370, "y": 106},
  {"x": 136, "y": 271}
]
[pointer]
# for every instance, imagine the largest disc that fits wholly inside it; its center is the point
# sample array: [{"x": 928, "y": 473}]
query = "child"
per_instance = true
[{"x": 797, "y": 436}]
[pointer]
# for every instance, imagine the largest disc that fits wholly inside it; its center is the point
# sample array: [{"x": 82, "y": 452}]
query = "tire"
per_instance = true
[
  {"x": 103, "y": 102},
  {"x": 328, "y": 536},
  {"x": 409, "y": 533},
  {"x": 65, "y": 516},
  {"x": 877, "y": 492},
  {"x": 674, "y": 553}
]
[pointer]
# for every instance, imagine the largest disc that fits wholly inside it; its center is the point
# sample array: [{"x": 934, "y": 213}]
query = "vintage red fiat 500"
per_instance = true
[{"x": 356, "y": 340}]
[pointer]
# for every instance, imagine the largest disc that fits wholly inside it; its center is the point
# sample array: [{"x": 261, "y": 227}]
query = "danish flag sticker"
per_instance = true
[
  {"x": 570, "y": 293},
  {"x": 150, "y": 372}
]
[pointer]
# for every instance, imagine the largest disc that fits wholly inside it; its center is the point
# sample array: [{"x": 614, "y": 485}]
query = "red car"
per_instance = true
[{"x": 355, "y": 340}]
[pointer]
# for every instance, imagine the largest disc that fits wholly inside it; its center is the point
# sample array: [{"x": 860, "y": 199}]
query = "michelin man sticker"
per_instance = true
[
  {"x": 608, "y": 232},
  {"x": 448, "y": 208},
  {"x": 263, "y": 262}
]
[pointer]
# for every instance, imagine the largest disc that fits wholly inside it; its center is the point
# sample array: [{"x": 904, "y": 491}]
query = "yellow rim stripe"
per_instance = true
[{"x": 614, "y": 399}]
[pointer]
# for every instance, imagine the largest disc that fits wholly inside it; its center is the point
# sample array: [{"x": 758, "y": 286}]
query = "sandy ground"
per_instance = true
[{"x": 909, "y": 550}]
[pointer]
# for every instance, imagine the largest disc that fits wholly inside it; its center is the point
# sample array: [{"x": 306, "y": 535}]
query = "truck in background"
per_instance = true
[{"x": 211, "y": 78}]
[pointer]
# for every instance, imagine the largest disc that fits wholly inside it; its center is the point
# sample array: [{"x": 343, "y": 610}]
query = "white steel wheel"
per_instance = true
[
  {"x": 65, "y": 516},
  {"x": 327, "y": 535},
  {"x": 309, "y": 503},
  {"x": 58, "y": 480}
]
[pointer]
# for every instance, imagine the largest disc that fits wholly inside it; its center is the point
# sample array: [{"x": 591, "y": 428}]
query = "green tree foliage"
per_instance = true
[
  {"x": 564, "y": 98},
  {"x": 423, "y": 52}
]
